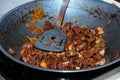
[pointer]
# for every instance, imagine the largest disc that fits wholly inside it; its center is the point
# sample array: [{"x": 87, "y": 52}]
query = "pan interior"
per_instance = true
[{"x": 92, "y": 13}]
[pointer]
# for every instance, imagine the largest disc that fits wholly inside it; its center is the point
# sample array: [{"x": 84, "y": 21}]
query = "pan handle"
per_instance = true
[{"x": 62, "y": 12}]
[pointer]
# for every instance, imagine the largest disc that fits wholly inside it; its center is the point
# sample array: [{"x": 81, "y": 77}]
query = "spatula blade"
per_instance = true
[{"x": 52, "y": 40}]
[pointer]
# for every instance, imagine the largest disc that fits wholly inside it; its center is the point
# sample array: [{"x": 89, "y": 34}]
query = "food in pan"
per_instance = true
[{"x": 85, "y": 48}]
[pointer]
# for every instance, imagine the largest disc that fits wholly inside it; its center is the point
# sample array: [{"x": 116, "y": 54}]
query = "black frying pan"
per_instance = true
[{"x": 88, "y": 12}]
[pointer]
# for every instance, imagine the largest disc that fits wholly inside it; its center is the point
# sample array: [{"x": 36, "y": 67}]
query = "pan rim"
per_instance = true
[{"x": 50, "y": 70}]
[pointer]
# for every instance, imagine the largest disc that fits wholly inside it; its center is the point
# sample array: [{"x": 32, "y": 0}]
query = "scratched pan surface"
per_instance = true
[{"x": 91, "y": 13}]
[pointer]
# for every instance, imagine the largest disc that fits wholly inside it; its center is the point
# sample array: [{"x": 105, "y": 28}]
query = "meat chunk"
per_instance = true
[
  {"x": 84, "y": 48},
  {"x": 66, "y": 27},
  {"x": 47, "y": 25}
]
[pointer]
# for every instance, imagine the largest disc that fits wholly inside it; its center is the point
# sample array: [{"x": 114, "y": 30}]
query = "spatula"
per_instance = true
[{"x": 54, "y": 39}]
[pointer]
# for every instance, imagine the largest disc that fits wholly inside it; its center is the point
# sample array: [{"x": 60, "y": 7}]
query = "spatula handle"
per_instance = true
[{"x": 62, "y": 12}]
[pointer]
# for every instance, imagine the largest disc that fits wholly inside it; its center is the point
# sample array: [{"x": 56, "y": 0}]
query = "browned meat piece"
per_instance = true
[
  {"x": 76, "y": 30},
  {"x": 11, "y": 51},
  {"x": 69, "y": 33},
  {"x": 66, "y": 27},
  {"x": 85, "y": 48},
  {"x": 89, "y": 53},
  {"x": 93, "y": 31},
  {"x": 51, "y": 60},
  {"x": 90, "y": 62},
  {"x": 47, "y": 25},
  {"x": 82, "y": 46},
  {"x": 97, "y": 57},
  {"x": 89, "y": 34},
  {"x": 31, "y": 55},
  {"x": 71, "y": 53},
  {"x": 27, "y": 46},
  {"x": 90, "y": 40}
]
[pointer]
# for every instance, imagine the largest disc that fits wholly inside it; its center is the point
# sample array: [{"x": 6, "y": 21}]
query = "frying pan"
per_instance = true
[{"x": 92, "y": 13}]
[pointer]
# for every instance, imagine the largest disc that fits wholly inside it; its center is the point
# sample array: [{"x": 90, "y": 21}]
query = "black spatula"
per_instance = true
[{"x": 54, "y": 39}]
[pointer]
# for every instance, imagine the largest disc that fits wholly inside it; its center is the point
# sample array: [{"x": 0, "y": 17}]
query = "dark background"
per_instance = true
[{"x": 118, "y": 0}]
